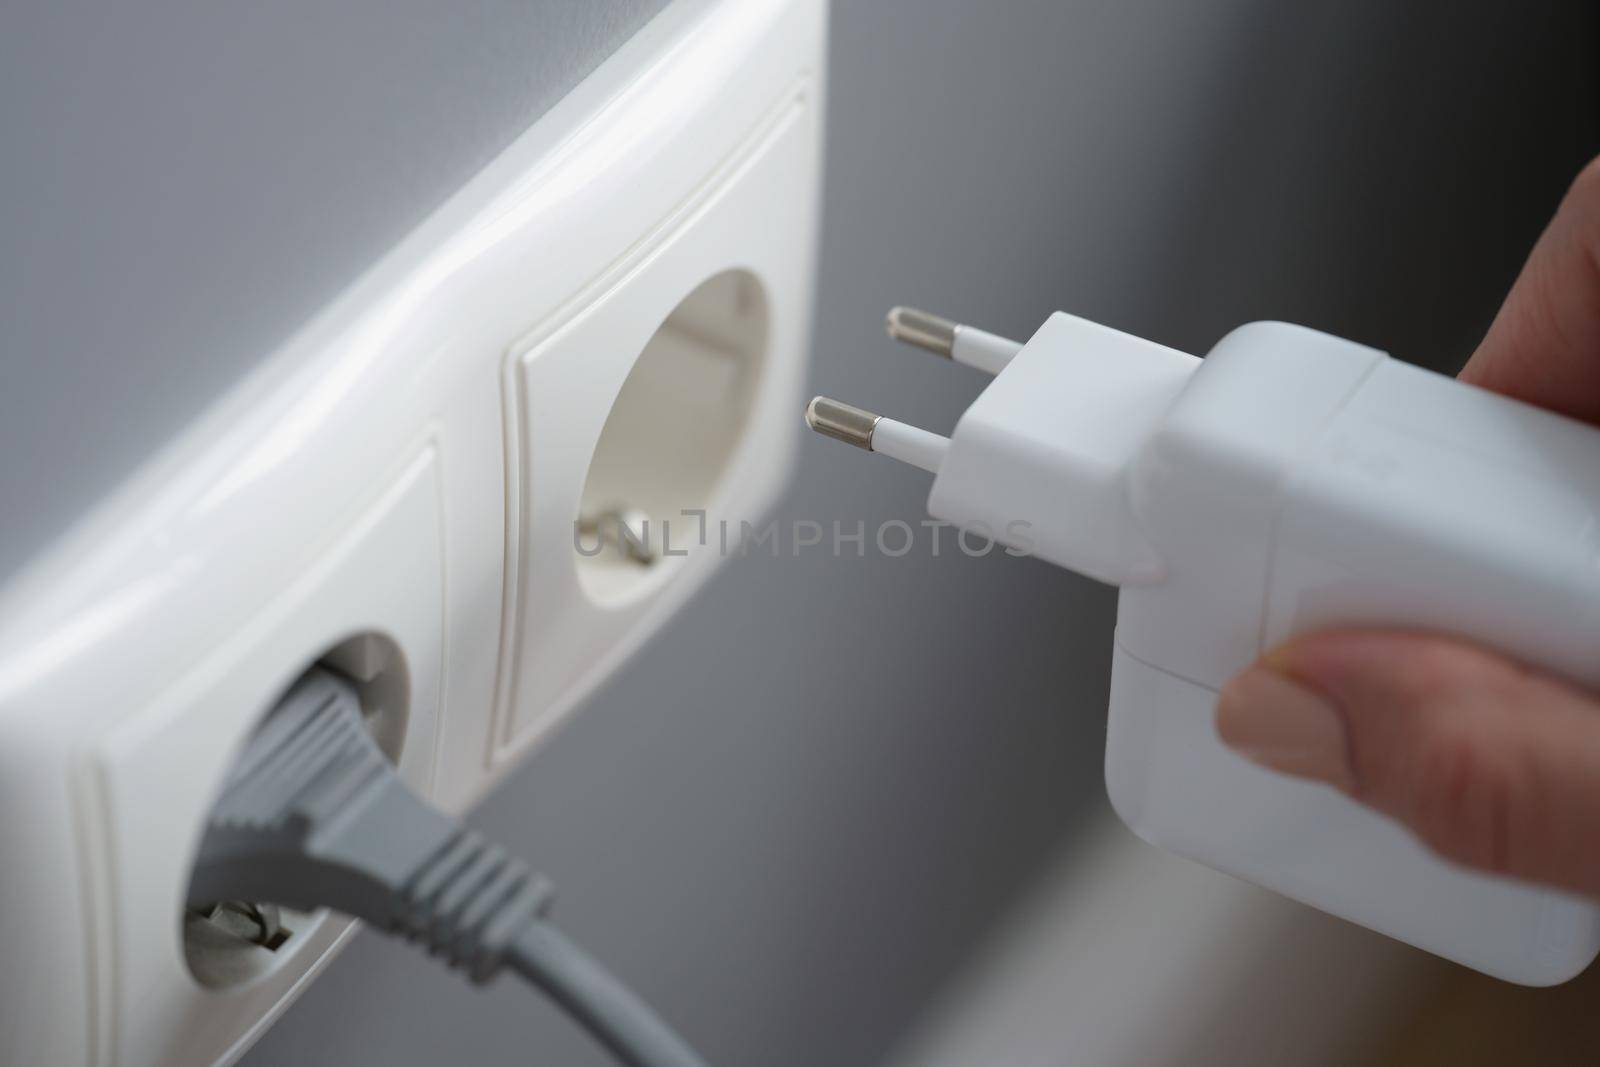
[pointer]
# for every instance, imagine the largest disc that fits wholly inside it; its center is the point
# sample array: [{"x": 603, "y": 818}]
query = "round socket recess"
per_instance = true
[
  {"x": 233, "y": 942},
  {"x": 669, "y": 437}
]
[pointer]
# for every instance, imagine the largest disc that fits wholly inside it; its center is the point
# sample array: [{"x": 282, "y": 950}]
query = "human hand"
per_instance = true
[{"x": 1489, "y": 762}]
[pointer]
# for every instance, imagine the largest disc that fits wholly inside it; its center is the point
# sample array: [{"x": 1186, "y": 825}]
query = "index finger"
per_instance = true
[{"x": 1544, "y": 345}]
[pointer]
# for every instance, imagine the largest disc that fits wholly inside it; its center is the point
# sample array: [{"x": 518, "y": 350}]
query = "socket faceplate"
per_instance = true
[{"x": 395, "y": 468}]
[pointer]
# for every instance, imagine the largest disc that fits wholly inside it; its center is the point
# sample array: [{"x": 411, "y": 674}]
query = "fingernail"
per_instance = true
[{"x": 1269, "y": 718}]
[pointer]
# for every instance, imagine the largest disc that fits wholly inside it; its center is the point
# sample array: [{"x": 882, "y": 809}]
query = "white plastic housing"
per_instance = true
[
  {"x": 1293, "y": 481},
  {"x": 1040, "y": 460},
  {"x": 409, "y": 466}
]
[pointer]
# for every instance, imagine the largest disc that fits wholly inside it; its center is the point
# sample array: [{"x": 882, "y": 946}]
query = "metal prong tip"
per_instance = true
[
  {"x": 920, "y": 328},
  {"x": 841, "y": 422}
]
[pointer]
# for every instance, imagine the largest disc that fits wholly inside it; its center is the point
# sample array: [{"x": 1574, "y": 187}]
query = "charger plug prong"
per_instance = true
[
  {"x": 923, "y": 329},
  {"x": 871, "y": 431},
  {"x": 955, "y": 341},
  {"x": 841, "y": 421}
]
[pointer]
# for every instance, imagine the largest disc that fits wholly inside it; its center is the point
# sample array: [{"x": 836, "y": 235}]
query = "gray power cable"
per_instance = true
[{"x": 313, "y": 815}]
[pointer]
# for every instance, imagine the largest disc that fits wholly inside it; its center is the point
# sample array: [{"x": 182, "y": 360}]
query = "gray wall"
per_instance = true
[
  {"x": 183, "y": 183},
  {"x": 785, "y": 825}
]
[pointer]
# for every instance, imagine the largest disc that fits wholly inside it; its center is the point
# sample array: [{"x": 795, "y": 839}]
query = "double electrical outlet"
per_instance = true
[{"x": 444, "y": 487}]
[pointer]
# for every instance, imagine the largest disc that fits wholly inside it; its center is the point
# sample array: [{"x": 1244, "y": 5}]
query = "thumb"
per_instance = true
[{"x": 1491, "y": 764}]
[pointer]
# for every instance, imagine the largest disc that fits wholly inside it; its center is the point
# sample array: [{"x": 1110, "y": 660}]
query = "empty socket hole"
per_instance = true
[
  {"x": 669, "y": 437},
  {"x": 236, "y": 941}
]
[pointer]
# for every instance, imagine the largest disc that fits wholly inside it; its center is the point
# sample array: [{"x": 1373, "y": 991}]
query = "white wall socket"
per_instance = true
[{"x": 614, "y": 313}]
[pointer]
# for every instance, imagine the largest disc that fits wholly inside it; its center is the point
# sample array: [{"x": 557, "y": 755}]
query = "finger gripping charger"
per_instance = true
[{"x": 1289, "y": 482}]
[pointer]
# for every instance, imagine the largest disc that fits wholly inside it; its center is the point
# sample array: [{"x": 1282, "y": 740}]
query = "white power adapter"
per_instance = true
[{"x": 1292, "y": 481}]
